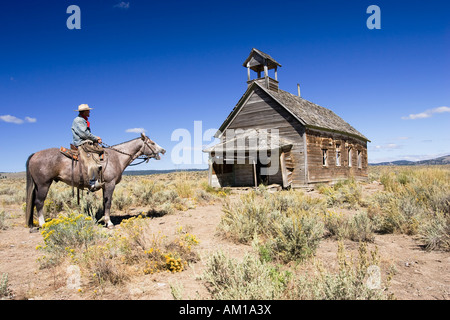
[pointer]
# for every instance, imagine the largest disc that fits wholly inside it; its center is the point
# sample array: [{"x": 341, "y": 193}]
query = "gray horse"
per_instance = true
[{"x": 50, "y": 165}]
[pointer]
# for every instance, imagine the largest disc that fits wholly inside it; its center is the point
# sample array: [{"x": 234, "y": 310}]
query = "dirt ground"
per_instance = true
[{"x": 418, "y": 274}]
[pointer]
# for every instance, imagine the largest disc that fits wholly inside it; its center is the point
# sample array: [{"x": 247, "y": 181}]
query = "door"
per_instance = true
[{"x": 287, "y": 167}]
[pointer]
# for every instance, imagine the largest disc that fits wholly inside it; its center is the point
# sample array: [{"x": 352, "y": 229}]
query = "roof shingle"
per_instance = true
[{"x": 313, "y": 114}]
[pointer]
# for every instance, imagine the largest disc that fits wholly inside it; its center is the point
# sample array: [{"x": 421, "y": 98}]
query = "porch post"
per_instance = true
[
  {"x": 254, "y": 173},
  {"x": 210, "y": 164}
]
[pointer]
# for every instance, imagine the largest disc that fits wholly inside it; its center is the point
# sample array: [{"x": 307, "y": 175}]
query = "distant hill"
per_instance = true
[
  {"x": 13, "y": 175},
  {"x": 21, "y": 175},
  {"x": 436, "y": 161},
  {"x": 149, "y": 172}
]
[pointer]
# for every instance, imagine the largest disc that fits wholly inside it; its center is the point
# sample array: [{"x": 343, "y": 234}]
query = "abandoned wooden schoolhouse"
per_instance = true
[{"x": 275, "y": 137}]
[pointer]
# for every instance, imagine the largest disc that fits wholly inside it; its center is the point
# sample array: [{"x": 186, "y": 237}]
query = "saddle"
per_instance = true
[
  {"x": 71, "y": 153},
  {"x": 74, "y": 154}
]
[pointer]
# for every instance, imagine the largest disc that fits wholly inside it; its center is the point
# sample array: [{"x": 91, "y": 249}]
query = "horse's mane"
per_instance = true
[{"x": 115, "y": 145}]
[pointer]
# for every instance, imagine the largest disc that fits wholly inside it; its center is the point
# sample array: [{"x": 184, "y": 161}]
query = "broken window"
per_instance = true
[
  {"x": 324, "y": 157},
  {"x": 359, "y": 159},
  {"x": 338, "y": 154},
  {"x": 350, "y": 157}
]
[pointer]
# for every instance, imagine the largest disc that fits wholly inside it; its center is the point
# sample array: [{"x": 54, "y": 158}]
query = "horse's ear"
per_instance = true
[{"x": 143, "y": 136}]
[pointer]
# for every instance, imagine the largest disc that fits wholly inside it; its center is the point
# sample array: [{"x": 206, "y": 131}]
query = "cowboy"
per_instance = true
[{"x": 87, "y": 144}]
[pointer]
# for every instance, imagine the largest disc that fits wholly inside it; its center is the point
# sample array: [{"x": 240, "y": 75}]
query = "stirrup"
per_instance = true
[{"x": 96, "y": 186}]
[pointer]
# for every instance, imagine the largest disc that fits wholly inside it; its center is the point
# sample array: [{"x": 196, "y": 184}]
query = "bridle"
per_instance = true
[{"x": 139, "y": 155}]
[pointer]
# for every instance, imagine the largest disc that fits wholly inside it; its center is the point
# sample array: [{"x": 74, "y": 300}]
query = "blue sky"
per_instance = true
[{"x": 161, "y": 65}]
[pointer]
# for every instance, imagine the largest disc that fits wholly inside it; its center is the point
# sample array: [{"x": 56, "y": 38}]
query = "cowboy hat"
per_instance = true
[{"x": 83, "y": 107}]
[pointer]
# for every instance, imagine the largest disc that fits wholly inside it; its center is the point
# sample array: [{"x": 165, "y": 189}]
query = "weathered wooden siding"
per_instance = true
[
  {"x": 320, "y": 140},
  {"x": 260, "y": 111},
  {"x": 268, "y": 82}
]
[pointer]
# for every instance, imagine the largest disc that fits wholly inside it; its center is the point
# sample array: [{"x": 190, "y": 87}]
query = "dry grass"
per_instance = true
[
  {"x": 285, "y": 229},
  {"x": 415, "y": 201},
  {"x": 113, "y": 258},
  {"x": 252, "y": 278},
  {"x": 156, "y": 195}
]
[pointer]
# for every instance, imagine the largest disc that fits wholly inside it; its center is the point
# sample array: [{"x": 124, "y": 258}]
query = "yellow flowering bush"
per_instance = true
[
  {"x": 66, "y": 233},
  {"x": 130, "y": 239},
  {"x": 133, "y": 243},
  {"x": 113, "y": 257},
  {"x": 176, "y": 259},
  {"x": 157, "y": 262},
  {"x": 173, "y": 264}
]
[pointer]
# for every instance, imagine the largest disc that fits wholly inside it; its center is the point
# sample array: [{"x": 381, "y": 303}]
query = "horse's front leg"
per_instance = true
[{"x": 108, "y": 191}]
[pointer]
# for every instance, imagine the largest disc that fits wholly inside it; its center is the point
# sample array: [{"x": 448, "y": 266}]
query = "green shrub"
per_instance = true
[
  {"x": 245, "y": 218},
  {"x": 145, "y": 190},
  {"x": 345, "y": 193},
  {"x": 121, "y": 200},
  {"x": 184, "y": 188},
  {"x": 261, "y": 213},
  {"x": 295, "y": 238},
  {"x": 355, "y": 280},
  {"x": 397, "y": 214},
  {"x": 12, "y": 191},
  {"x": 249, "y": 279},
  {"x": 411, "y": 200},
  {"x": 288, "y": 223},
  {"x": 163, "y": 196},
  {"x": 253, "y": 278},
  {"x": 3, "y": 223},
  {"x": 103, "y": 267},
  {"x": 5, "y": 292},
  {"x": 336, "y": 224},
  {"x": 436, "y": 232},
  {"x": 360, "y": 228}
]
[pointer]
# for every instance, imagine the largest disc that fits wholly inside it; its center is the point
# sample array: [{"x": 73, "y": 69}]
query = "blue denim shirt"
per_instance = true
[{"x": 81, "y": 132}]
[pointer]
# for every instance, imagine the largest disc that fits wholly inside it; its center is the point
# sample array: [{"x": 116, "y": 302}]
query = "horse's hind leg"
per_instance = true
[{"x": 41, "y": 194}]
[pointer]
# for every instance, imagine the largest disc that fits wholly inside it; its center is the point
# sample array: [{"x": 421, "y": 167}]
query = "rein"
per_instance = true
[{"x": 144, "y": 158}]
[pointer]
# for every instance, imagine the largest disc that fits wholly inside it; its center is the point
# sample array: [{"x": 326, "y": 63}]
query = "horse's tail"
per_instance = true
[{"x": 31, "y": 196}]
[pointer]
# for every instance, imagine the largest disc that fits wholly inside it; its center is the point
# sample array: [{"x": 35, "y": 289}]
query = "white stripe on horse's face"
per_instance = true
[
  {"x": 159, "y": 149},
  {"x": 155, "y": 149}
]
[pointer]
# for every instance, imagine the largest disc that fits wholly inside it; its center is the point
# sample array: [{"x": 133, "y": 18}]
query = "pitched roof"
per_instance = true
[
  {"x": 254, "y": 51},
  {"x": 309, "y": 114},
  {"x": 314, "y": 115}
]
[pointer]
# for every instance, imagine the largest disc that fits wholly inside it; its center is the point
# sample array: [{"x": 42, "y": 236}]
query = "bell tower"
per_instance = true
[{"x": 260, "y": 62}]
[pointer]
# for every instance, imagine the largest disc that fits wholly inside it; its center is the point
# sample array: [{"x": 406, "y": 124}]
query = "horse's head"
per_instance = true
[{"x": 151, "y": 149}]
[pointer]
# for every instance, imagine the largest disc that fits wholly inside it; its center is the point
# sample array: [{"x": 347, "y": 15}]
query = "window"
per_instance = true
[
  {"x": 359, "y": 159},
  {"x": 350, "y": 157},
  {"x": 324, "y": 157},
  {"x": 338, "y": 154}
]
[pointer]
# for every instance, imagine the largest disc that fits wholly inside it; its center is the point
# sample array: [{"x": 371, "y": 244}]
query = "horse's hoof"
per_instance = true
[
  {"x": 34, "y": 229},
  {"x": 110, "y": 225}
]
